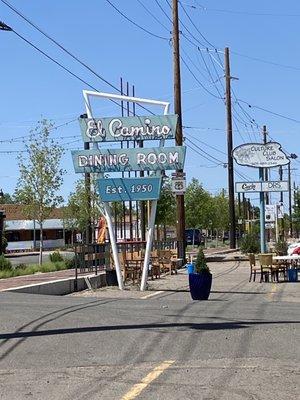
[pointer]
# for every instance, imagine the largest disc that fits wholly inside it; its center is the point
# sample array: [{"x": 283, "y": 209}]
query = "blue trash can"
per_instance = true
[
  {"x": 190, "y": 268},
  {"x": 293, "y": 275}
]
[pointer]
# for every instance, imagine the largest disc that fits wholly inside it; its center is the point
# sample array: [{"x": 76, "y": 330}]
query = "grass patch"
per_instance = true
[{"x": 33, "y": 269}]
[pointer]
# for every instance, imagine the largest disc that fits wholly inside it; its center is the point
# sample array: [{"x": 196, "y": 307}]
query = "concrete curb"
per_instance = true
[{"x": 62, "y": 287}]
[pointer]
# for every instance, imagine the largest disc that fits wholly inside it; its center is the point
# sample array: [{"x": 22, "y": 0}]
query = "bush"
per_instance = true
[
  {"x": 70, "y": 263},
  {"x": 55, "y": 257},
  {"x": 281, "y": 248},
  {"x": 250, "y": 244},
  {"x": 201, "y": 266},
  {"x": 5, "y": 265}
]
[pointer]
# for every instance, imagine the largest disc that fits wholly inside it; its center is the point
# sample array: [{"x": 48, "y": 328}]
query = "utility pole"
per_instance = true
[
  {"x": 290, "y": 199},
  {"x": 178, "y": 137},
  {"x": 262, "y": 206},
  {"x": 266, "y": 178},
  {"x": 232, "y": 228},
  {"x": 281, "y": 203}
]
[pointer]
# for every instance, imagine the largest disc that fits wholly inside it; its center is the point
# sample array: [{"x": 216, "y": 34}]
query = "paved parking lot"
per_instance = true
[{"x": 243, "y": 343}]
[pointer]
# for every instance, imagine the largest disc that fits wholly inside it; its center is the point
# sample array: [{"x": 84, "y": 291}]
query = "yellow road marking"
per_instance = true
[
  {"x": 152, "y": 294},
  {"x": 154, "y": 374},
  {"x": 273, "y": 291}
]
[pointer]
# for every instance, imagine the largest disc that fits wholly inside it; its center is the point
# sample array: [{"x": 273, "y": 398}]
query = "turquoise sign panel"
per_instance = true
[
  {"x": 154, "y": 127},
  {"x": 129, "y": 189},
  {"x": 120, "y": 160}
]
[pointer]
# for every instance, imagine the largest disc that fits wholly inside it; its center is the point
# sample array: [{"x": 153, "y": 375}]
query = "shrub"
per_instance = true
[
  {"x": 250, "y": 244},
  {"x": 201, "y": 266},
  {"x": 281, "y": 248},
  {"x": 70, "y": 263},
  {"x": 5, "y": 265},
  {"x": 55, "y": 257},
  {"x": 21, "y": 266}
]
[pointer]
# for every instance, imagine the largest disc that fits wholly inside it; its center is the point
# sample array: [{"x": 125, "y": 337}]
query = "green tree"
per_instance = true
[
  {"x": 41, "y": 176},
  {"x": 198, "y": 206},
  {"x": 166, "y": 208},
  {"x": 83, "y": 208},
  {"x": 6, "y": 199}
]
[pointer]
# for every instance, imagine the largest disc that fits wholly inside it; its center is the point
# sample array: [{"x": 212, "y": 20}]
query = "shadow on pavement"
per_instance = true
[{"x": 203, "y": 326}]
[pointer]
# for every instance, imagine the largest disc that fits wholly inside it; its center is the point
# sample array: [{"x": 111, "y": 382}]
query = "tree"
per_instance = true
[
  {"x": 166, "y": 208},
  {"x": 77, "y": 215},
  {"x": 40, "y": 176},
  {"x": 198, "y": 206},
  {"x": 6, "y": 199}
]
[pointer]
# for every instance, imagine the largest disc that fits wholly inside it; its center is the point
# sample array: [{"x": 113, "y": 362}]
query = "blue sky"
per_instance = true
[{"x": 32, "y": 86}]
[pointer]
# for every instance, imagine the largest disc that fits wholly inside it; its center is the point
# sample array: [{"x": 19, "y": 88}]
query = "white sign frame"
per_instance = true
[
  {"x": 107, "y": 210},
  {"x": 261, "y": 186}
]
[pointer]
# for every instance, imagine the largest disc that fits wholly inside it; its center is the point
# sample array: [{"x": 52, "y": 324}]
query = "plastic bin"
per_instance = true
[
  {"x": 293, "y": 275},
  {"x": 190, "y": 268}
]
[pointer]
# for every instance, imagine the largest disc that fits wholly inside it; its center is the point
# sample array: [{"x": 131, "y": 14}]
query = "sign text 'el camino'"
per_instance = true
[
  {"x": 138, "y": 159},
  {"x": 154, "y": 127}
]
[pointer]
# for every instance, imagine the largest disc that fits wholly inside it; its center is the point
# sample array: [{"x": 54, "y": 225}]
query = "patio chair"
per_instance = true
[
  {"x": 253, "y": 267},
  {"x": 266, "y": 266}
]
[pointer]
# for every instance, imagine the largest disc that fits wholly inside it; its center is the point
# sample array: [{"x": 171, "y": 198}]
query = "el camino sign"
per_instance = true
[
  {"x": 154, "y": 127},
  {"x": 259, "y": 155},
  {"x": 120, "y": 160}
]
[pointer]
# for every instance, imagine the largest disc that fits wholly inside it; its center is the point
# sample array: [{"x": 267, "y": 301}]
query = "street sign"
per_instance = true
[
  {"x": 275, "y": 186},
  {"x": 245, "y": 187},
  {"x": 178, "y": 185},
  {"x": 129, "y": 189},
  {"x": 154, "y": 127},
  {"x": 260, "y": 155},
  {"x": 139, "y": 159},
  {"x": 270, "y": 225},
  {"x": 270, "y": 212},
  {"x": 270, "y": 186}
]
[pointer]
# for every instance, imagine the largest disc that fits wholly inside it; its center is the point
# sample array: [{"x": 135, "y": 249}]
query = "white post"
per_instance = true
[
  {"x": 148, "y": 245},
  {"x": 114, "y": 246},
  {"x": 276, "y": 223}
]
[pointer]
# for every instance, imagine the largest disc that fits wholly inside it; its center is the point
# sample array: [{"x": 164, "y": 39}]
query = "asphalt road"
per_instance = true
[{"x": 241, "y": 344}]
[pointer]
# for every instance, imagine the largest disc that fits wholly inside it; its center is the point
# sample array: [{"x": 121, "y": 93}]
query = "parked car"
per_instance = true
[{"x": 194, "y": 237}]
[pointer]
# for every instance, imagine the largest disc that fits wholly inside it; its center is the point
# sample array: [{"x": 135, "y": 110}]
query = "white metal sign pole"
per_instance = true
[
  {"x": 86, "y": 94},
  {"x": 108, "y": 217},
  {"x": 151, "y": 225}
]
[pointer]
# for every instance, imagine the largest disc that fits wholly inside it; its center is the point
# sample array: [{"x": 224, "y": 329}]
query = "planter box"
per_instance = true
[{"x": 200, "y": 285}]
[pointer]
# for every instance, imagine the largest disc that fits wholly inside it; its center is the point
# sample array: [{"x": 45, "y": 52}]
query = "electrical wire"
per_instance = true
[
  {"x": 197, "y": 80},
  {"x": 67, "y": 52},
  {"x": 135, "y": 24},
  {"x": 152, "y": 15},
  {"x": 200, "y": 33},
  {"x": 206, "y": 155}
]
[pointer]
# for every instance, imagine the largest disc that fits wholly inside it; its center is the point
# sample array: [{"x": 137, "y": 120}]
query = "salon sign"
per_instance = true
[
  {"x": 260, "y": 155},
  {"x": 154, "y": 127}
]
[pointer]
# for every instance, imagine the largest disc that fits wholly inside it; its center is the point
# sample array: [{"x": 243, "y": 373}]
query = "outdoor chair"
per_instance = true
[
  {"x": 266, "y": 267},
  {"x": 167, "y": 264},
  {"x": 253, "y": 267},
  {"x": 280, "y": 267}
]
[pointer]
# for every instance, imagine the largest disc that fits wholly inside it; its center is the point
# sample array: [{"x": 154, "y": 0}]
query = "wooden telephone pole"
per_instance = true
[
  {"x": 178, "y": 138},
  {"x": 232, "y": 224}
]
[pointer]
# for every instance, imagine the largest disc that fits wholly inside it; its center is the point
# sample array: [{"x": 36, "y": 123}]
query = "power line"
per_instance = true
[
  {"x": 270, "y": 112},
  {"x": 208, "y": 145},
  {"x": 67, "y": 52},
  {"x": 206, "y": 155},
  {"x": 194, "y": 76},
  {"x": 153, "y": 15},
  {"x": 190, "y": 19},
  {"x": 134, "y": 23},
  {"x": 260, "y": 14}
]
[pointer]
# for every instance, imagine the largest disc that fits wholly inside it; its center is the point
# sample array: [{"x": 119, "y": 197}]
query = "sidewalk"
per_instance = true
[{"x": 39, "y": 278}]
